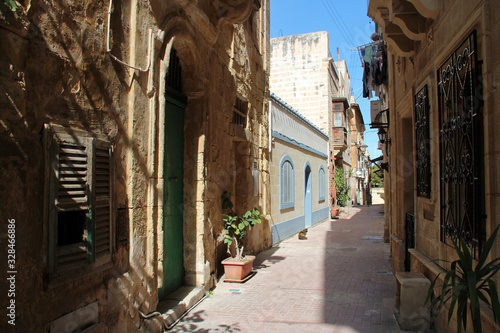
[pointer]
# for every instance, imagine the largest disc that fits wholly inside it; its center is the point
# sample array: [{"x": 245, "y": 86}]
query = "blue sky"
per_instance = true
[{"x": 348, "y": 27}]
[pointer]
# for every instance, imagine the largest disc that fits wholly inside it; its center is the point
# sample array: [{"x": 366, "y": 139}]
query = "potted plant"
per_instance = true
[
  {"x": 238, "y": 266},
  {"x": 465, "y": 285}
]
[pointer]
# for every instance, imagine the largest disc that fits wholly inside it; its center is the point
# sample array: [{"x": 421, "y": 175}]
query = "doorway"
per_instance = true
[{"x": 173, "y": 176}]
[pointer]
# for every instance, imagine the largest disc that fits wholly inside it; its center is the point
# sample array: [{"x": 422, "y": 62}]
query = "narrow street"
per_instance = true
[{"x": 338, "y": 280}]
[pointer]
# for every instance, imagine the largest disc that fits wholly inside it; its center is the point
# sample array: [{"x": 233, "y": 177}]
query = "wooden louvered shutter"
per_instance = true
[
  {"x": 72, "y": 177},
  {"x": 101, "y": 198},
  {"x": 70, "y": 171}
]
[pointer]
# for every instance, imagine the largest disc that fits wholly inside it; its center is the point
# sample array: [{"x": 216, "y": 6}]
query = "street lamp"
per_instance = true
[{"x": 382, "y": 136}]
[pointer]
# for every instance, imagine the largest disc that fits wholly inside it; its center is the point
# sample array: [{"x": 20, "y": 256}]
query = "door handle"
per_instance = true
[{"x": 174, "y": 178}]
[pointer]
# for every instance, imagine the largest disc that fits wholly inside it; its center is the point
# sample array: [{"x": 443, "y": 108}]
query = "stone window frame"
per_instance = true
[
  {"x": 79, "y": 185},
  {"x": 321, "y": 184},
  {"x": 287, "y": 183}
]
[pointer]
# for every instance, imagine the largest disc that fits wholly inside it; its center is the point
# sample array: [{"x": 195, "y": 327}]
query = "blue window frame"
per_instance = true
[
  {"x": 287, "y": 183},
  {"x": 321, "y": 184}
]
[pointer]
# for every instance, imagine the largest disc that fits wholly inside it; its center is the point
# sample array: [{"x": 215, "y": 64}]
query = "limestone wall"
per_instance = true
[
  {"x": 55, "y": 70},
  {"x": 413, "y": 63},
  {"x": 301, "y": 74}
]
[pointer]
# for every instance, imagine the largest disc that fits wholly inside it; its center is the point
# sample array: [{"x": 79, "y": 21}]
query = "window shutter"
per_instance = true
[
  {"x": 72, "y": 177},
  {"x": 101, "y": 192},
  {"x": 71, "y": 195},
  {"x": 321, "y": 185}
]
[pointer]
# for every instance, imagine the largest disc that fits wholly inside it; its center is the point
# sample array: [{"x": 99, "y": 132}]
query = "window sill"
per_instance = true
[{"x": 57, "y": 280}]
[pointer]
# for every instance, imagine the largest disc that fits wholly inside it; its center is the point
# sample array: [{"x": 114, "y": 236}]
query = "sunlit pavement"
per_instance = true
[{"x": 338, "y": 280}]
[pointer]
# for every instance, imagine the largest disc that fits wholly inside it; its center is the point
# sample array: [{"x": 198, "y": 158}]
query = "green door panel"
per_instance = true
[{"x": 173, "y": 268}]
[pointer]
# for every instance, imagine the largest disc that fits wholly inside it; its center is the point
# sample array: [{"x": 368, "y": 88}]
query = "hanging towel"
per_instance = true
[{"x": 369, "y": 53}]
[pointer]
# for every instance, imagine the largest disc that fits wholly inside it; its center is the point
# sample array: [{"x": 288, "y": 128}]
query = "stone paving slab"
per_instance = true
[{"x": 337, "y": 280}]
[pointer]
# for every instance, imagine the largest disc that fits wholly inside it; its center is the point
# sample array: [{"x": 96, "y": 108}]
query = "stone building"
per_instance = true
[
  {"x": 442, "y": 143},
  {"x": 122, "y": 123},
  {"x": 359, "y": 180},
  {"x": 298, "y": 171},
  {"x": 304, "y": 74}
]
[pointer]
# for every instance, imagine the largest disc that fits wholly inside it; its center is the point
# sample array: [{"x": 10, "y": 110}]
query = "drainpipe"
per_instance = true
[
  {"x": 169, "y": 327},
  {"x": 108, "y": 48}
]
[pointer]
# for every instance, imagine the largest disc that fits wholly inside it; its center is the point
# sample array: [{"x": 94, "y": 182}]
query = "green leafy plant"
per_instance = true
[
  {"x": 341, "y": 188},
  {"x": 12, "y": 4},
  {"x": 376, "y": 177},
  {"x": 236, "y": 227},
  {"x": 463, "y": 283}
]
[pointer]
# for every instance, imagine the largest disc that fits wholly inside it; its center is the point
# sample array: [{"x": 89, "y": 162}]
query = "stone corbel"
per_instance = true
[
  {"x": 235, "y": 11},
  {"x": 378, "y": 10},
  {"x": 400, "y": 43},
  {"x": 427, "y": 8},
  {"x": 408, "y": 19}
]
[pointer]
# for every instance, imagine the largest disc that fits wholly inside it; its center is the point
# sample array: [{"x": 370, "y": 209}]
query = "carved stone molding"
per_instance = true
[
  {"x": 427, "y": 8},
  {"x": 235, "y": 11}
]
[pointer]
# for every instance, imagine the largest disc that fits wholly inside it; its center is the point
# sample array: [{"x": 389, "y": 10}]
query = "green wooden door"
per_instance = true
[{"x": 173, "y": 270}]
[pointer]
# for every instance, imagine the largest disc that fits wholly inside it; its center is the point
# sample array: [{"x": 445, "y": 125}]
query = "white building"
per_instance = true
[{"x": 298, "y": 171}]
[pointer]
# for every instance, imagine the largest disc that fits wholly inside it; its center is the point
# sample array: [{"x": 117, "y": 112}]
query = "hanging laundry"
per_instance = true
[
  {"x": 385, "y": 76},
  {"x": 366, "y": 80},
  {"x": 368, "y": 53},
  {"x": 376, "y": 71}
]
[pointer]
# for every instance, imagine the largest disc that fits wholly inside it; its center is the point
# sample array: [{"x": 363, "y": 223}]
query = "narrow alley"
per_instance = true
[{"x": 337, "y": 280}]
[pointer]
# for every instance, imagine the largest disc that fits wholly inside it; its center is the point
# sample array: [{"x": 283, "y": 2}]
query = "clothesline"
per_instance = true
[
  {"x": 363, "y": 48},
  {"x": 360, "y": 46}
]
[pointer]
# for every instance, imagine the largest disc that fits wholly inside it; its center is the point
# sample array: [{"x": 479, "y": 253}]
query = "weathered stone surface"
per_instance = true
[{"x": 55, "y": 69}]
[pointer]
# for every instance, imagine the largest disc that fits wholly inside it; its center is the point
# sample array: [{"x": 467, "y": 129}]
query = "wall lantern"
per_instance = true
[{"x": 382, "y": 136}]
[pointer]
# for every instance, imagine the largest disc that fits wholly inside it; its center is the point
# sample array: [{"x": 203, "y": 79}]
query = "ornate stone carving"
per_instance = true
[{"x": 235, "y": 11}]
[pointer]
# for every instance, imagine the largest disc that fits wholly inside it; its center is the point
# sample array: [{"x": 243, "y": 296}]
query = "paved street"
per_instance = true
[{"x": 338, "y": 280}]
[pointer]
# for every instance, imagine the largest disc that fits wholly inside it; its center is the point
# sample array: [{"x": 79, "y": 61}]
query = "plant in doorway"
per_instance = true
[{"x": 238, "y": 266}]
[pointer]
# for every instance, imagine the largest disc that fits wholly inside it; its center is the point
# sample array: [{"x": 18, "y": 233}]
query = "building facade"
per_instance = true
[
  {"x": 298, "y": 171},
  {"x": 304, "y": 74},
  {"x": 122, "y": 125},
  {"x": 442, "y": 142},
  {"x": 359, "y": 180}
]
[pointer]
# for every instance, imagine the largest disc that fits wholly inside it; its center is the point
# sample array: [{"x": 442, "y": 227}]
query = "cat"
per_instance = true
[{"x": 302, "y": 234}]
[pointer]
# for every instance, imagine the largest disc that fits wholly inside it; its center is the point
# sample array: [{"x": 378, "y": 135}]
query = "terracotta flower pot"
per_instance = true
[
  {"x": 335, "y": 212},
  {"x": 238, "y": 270}
]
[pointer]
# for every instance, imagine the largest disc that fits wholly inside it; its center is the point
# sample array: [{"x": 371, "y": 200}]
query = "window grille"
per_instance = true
[
  {"x": 174, "y": 73},
  {"x": 240, "y": 113},
  {"x": 460, "y": 147},
  {"x": 423, "y": 156}
]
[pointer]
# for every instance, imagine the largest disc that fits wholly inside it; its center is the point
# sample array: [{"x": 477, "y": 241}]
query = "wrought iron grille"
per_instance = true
[
  {"x": 423, "y": 158},
  {"x": 174, "y": 74},
  {"x": 410, "y": 239},
  {"x": 240, "y": 113},
  {"x": 460, "y": 148}
]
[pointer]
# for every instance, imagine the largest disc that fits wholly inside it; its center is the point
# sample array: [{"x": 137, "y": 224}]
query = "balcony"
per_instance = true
[
  {"x": 339, "y": 138},
  {"x": 404, "y": 22}
]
